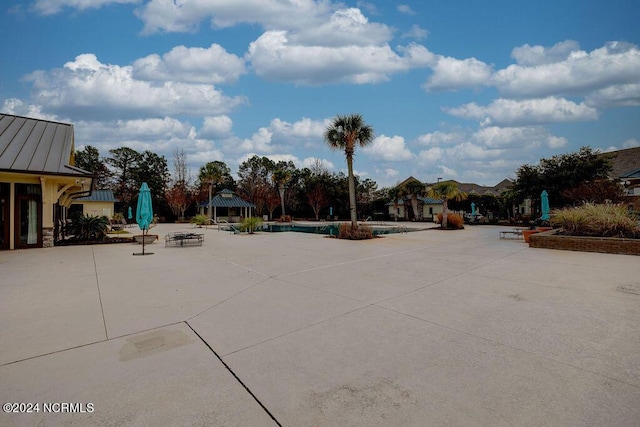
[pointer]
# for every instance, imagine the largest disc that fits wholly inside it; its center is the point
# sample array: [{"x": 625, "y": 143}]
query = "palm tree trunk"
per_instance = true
[
  {"x": 445, "y": 210},
  {"x": 352, "y": 193},
  {"x": 281, "y": 189},
  {"x": 210, "y": 191},
  {"x": 414, "y": 205}
]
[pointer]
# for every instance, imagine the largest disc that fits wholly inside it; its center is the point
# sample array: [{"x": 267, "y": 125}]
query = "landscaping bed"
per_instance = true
[
  {"x": 105, "y": 241},
  {"x": 612, "y": 245}
]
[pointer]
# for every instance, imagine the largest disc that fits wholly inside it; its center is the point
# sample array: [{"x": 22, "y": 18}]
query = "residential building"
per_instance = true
[
  {"x": 626, "y": 169},
  {"x": 98, "y": 203}
]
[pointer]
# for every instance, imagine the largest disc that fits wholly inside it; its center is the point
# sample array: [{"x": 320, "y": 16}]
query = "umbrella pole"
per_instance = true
[{"x": 144, "y": 235}]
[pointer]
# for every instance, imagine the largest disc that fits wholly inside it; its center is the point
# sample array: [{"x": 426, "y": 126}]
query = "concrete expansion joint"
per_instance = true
[{"x": 228, "y": 368}]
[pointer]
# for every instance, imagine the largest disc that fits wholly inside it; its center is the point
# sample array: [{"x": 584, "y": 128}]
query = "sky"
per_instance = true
[{"x": 454, "y": 89}]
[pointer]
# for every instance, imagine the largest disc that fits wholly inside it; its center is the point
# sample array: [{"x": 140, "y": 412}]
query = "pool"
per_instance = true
[{"x": 331, "y": 229}]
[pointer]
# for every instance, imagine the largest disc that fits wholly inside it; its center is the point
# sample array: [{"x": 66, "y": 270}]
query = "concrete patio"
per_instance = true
[{"x": 415, "y": 329}]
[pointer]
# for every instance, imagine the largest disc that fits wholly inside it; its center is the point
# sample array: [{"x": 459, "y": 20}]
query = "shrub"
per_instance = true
[
  {"x": 117, "y": 217},
  {"x": 250, "y": 224},
  {"x": 454, "y": 221},
  {"x": 87, "y": 227},
  {"x": 199, "y": 220},
  {"x": 346, "y": 231},
  {"x": 607, "y": 220}
]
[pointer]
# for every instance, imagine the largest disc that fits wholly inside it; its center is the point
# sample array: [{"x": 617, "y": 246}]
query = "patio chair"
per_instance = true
[{"x": 115, "y": 225}]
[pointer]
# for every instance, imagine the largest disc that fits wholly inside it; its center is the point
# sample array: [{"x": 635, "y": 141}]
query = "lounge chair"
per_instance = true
[{"x": 115, "y": 225}]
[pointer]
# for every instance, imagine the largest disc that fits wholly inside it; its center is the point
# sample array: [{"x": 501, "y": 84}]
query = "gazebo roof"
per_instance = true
[{"x": 227, "y": 199}]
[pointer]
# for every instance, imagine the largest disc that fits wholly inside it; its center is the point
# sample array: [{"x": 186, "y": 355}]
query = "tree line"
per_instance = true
[
  {"x": 276, "y": 188},
  {"x": 280, "y": 188}
]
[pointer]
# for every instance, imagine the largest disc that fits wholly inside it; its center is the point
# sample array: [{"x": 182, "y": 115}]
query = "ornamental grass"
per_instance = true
[
  {"x": 454, "y": 221},
  {"x": 346, "y": 231},
  {"x": 597, "y": 220}
]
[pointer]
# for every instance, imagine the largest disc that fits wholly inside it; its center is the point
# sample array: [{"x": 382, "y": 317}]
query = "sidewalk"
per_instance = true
[{"x": 423, "y": 328}]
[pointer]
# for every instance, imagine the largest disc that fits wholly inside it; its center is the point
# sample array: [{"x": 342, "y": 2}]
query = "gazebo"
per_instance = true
[{"x": 236, "y": 207}]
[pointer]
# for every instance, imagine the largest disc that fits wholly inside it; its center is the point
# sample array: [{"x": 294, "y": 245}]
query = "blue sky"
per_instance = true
[{"x": 461, "y": 90}]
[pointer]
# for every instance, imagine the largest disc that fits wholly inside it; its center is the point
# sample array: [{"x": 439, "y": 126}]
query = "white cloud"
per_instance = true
[
  {"x": 213, "y": 65},
  {"x": 416, "y": 32},
  {"x": 259, "y": 142},
  {"x": 511, "y": 112},
  {"x": 359, "y": 174},
  {"x": 529, "y": 56},
  {"x": 369, "y": 7},
  {"x": 452, "y": 74},
  {"x": 18, "y": 107},
  {"x": 631, "y": 143},
  {"x": 391, "y": 173},
  {"x": 200, "y": 158},
  {"x": 406, "y": 9},
  {"x": 556, "y": 142},
  {"x": 439, "y": 139},
  {"x": 160, "y": 136},
  {"x": 624, "y": 95},
  {"x": 311, "y": 161},
  {"x": 516, "y": 137},
  {"x": 216, "y": 126},
  {"x": 185, "y": 16},
  {"x": 302, "y": 129},
  {"x": 50, "y": 7},
  {"x": 388, "y": 149},
  {"x": 471, "y": 151},
  {"x": 345, "y": 27},
  {"x": 487, "y": 155},
  {"x": 431, "y": 155},
  {"x": 90, "y": 89},
  {"x": 616, "y": 63},
  {"x": 275, "y": 57}
]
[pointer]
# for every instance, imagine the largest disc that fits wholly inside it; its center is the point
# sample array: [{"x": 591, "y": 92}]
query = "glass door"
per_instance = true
[
  {"x": 4, "y": 216},
  {"x": 28, "y": 216}
]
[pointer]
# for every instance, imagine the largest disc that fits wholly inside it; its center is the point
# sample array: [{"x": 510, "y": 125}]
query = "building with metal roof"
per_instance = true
[
  {"x": 38, "y": 180},
  {"x": 234, "y": 206},
  {"x": 98, "y": 203}
]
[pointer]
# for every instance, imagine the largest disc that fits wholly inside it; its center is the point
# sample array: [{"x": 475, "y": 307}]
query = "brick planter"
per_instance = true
[{"x": 609, "y": 245}]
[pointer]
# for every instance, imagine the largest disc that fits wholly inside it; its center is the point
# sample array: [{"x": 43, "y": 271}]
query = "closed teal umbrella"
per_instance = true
[
  {"x": 144, "y": 213},
  {"x": 130, "y": 215},
  {"x": 545, "y": 206},
  {"x": 473, "y": 209}
]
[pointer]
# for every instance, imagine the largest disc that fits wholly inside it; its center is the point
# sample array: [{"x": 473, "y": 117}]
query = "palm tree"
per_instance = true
[
  {"x": 413, "y": 189},
  {"x": 213, "y": 173},
  {"x": 344, "y": 133},
  {"x": 445, "y": 191},
  {"x": 280, "y": 178}
]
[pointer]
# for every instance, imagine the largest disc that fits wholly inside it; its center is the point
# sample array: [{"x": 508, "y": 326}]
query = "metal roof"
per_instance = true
[
  {"x": 430, "y": 201},
  {"x": 424, "y": 200},
  {"x": 227, "y": 199},
  {"x": 99, "y": 196},
  {"x": 36, "y": 146}
]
